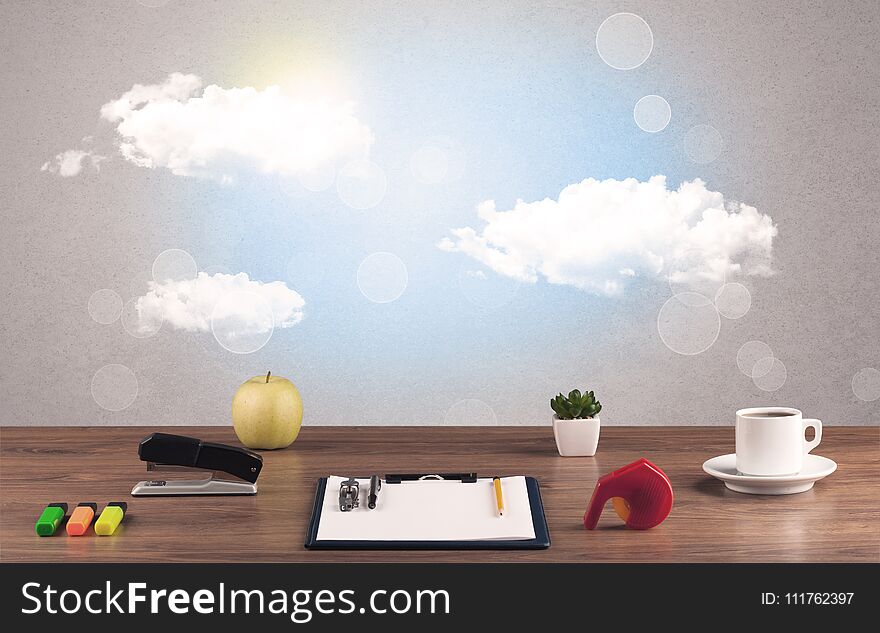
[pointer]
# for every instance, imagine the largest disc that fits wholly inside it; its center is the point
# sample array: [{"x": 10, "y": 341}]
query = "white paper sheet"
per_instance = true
[{"x": 429, "y": 510}]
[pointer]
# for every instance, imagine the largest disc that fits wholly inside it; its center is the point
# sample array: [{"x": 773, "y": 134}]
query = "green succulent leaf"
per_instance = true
[{"x": 576, "y": 406}]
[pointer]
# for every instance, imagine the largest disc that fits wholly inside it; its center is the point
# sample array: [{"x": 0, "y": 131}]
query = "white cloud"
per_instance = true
[
  {"x": 189, "y": 305},
  {"x": 70, "y": 163},
  {"x": 599, "y": 235},
  {"x": 217, "y": 132}
]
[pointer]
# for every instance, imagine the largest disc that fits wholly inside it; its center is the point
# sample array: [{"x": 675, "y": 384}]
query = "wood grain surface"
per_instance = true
[{"x": 838, "y": 520}]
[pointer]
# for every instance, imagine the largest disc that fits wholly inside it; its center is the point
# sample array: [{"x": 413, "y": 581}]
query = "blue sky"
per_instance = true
[
  {"x": 529, "y": 125},
  {"x": 532, "y": 112},
  {"x": 530, "y": 121},
  {"x": 521, "y": 88}
]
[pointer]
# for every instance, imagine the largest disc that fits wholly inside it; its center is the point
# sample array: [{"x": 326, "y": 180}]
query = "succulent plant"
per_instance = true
[{"x": 577, "y": 406}]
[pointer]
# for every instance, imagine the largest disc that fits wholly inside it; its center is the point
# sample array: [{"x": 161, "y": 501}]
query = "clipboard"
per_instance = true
[{"x": 539, "y": 522}]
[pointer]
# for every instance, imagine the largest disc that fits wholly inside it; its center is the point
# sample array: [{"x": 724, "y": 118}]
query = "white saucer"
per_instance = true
[{"x": 815, "y": 468}]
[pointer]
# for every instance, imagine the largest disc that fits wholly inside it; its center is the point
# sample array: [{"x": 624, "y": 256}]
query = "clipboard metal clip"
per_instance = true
[
  {"x": 349, "y": 494},
  {"x": 465, "y": 478}
]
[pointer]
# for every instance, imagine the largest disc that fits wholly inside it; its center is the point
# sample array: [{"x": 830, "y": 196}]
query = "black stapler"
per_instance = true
[{"x": 167, "y": 452}]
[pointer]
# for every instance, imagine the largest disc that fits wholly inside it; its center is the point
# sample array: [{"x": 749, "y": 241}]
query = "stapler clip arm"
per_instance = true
[{"x": 167, "y": 452}]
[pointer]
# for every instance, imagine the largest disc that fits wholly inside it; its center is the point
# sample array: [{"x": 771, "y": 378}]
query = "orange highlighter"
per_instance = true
[{"x": 81, "y": 518}]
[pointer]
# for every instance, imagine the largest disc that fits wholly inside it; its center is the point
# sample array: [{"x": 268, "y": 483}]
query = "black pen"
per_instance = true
[{"x": 375, "y": 487}]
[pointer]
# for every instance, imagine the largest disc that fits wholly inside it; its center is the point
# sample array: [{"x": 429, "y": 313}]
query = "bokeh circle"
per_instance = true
[
  {"x": 105, "y": 306},
  {"x": 242, "y": 321},
  {"x": 361, "y": 184},
  {"x": 137, "y": 326},
  {"x": 769, "y": 374},
  {"x": 750, "y": 354},
  {"x": 688, "y": 325},
  {"x": 652, "y": 113},
  {"x": 703, "y": 144},
  {"x": 382, "y": 277},
  {"x": 866, "y": 384},
  {"x": 733, "y": 300},
  {"x": 174, "y": 264},
  {"x": 114, "y": 387},
  {"x": 624, "y": 41}
]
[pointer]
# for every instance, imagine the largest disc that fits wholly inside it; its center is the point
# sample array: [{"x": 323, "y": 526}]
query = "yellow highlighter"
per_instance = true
[
  {"x": 110, "y": 518},
  {"x": 498, "y": 496}
]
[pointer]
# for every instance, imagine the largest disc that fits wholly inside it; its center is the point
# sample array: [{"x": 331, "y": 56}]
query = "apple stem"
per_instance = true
[{"x": 267, "y": 376}]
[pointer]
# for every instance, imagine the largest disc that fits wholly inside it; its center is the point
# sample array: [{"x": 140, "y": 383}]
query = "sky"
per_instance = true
[{"x": 523, "y": 234}]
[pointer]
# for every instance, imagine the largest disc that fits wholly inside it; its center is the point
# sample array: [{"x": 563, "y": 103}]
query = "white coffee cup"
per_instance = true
[{"x": 771, "y": 441}]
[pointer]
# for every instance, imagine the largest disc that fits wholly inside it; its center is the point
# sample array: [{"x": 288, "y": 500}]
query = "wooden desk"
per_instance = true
[{"x": 839, "y": 520}]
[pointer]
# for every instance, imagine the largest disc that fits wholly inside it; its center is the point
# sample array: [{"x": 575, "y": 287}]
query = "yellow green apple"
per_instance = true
[{"x": 267, "y": 412}]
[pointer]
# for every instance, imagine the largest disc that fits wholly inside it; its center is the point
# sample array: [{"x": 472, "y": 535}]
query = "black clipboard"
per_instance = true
[{"x": 539, "y": 521}]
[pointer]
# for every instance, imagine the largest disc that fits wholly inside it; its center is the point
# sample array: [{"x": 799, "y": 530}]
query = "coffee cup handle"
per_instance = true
[{"x": 817, "y": 427}]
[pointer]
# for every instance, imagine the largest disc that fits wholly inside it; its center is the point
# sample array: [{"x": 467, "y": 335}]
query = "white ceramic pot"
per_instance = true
[{"x": 576, "y": 438}]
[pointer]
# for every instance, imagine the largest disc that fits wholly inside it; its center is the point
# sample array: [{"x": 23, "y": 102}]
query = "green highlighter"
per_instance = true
[{"x": 51, "y": 518}]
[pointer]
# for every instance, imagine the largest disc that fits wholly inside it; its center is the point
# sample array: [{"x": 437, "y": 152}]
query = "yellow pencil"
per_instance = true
[{"x": 498, "y": 496}]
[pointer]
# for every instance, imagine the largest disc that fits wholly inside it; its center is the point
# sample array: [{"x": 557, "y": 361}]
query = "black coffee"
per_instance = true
[{"x": 770, "y": 414}]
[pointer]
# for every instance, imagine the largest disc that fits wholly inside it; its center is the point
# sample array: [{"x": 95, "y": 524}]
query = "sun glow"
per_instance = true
[{"x": 299, "y": 69}]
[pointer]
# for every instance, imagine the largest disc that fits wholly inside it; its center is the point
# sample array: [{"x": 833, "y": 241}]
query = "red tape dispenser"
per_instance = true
[{"x": 640, "y": 492}]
